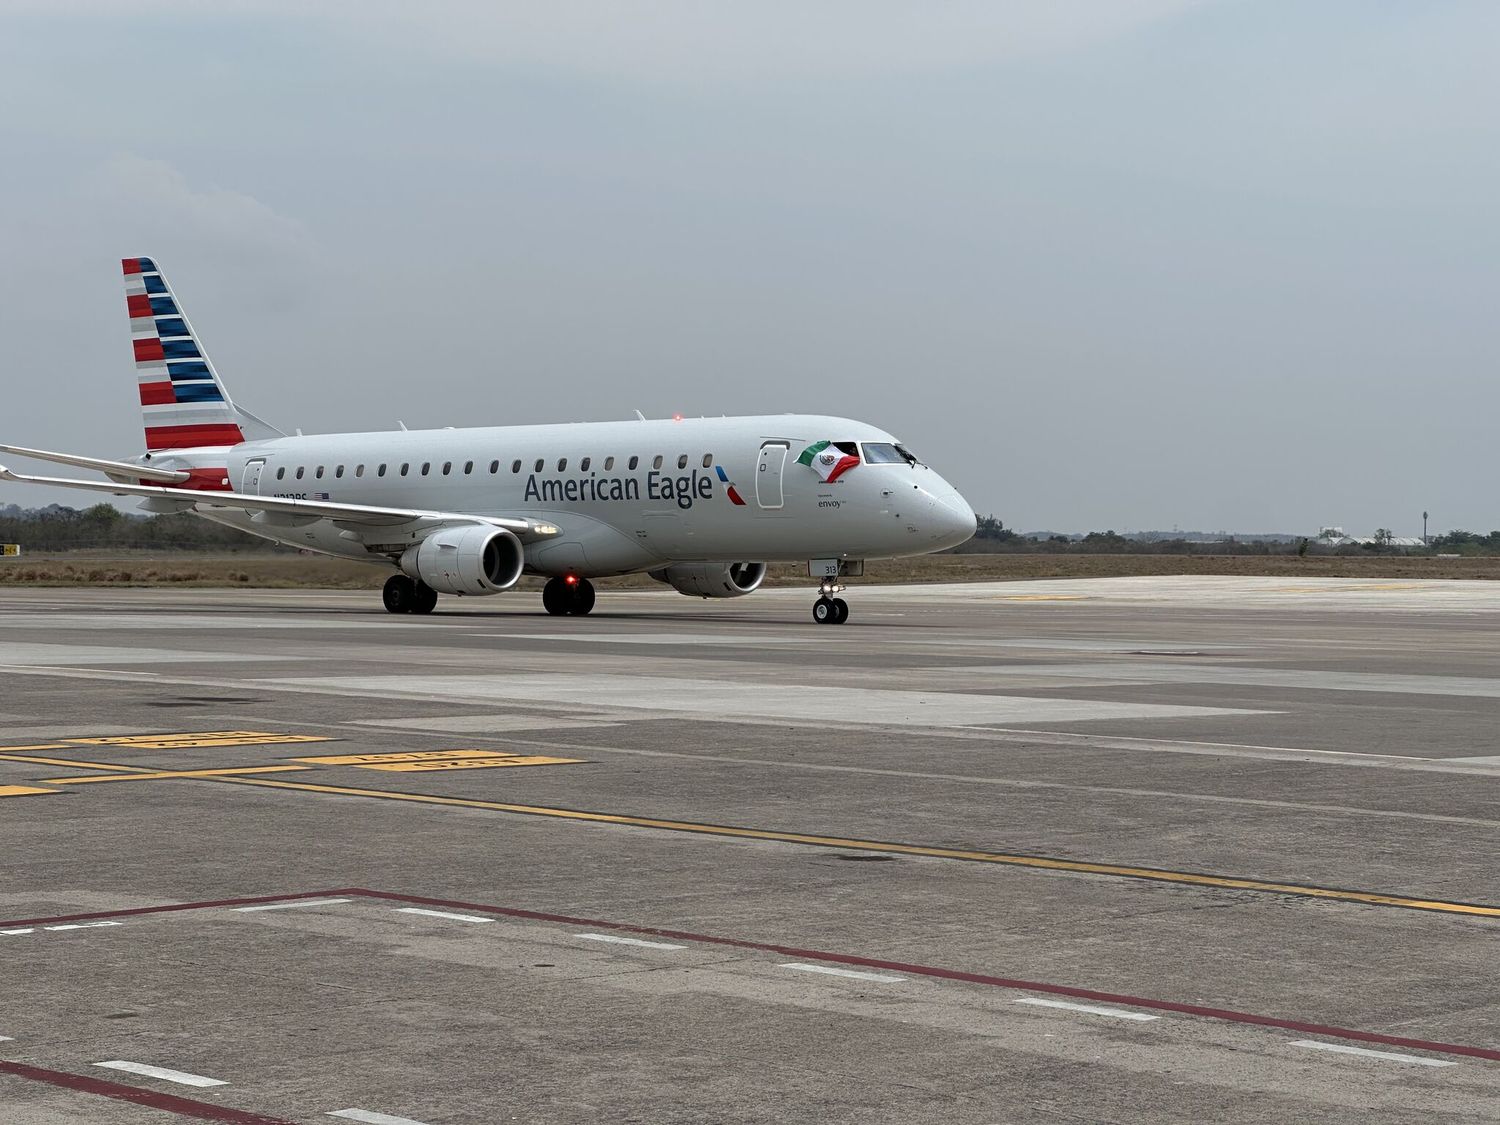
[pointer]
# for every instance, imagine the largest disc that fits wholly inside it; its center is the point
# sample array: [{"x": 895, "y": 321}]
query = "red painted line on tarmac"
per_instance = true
[
  {"x": 175, "y": 906},
  {"x": 169, "y": 1103},
  {"x": 1228, "y": 1015}
]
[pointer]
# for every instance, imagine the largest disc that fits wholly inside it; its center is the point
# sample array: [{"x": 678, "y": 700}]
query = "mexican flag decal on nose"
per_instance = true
[{"x": 828, "y": 460}]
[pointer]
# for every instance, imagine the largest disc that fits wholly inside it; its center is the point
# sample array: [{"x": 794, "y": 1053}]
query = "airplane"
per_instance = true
[{"x": 701, "y": 504}]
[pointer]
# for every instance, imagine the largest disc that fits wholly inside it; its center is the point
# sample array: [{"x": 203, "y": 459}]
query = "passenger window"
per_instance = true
[
  {"x": 539, "y": 464},
  {"x": 682, "y": 461},
  {"x": 515, "y": 466},
  {"x": 609, "y": 463},
  {"x": 405, "y": 467},
  {"x": 380, "y": 472},
  {"x": 562, "y": 464},
  {"x": 583, "y": 466},
  {"x": 339, "y": 471},
  {"x": 494, "y": 467},
  {"x": 281, "y": 473},
  {"x": 359, "y": 470},
  {"x": 319, "y": 473},
  {"x": 300, "y": 471},
  {"x": 468, "y": 467},
  {"x": 656, "y": 464},
  {"x": 634, "y": 461},
  {"x": 426, "y": 467},
  {"x": 708, "y": 460}
]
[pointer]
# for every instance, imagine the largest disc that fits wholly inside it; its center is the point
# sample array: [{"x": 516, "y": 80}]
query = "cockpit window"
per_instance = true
[{"x": 885, "y": 453}]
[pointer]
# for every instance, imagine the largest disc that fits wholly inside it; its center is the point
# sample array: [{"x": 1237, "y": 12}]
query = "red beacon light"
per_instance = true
[
  {"x": 677, "y": 417},
  {"x": 571, "y": 580}
]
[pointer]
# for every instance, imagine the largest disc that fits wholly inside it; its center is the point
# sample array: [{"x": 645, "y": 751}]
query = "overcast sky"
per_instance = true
[{"x": 1103, "y": 263}]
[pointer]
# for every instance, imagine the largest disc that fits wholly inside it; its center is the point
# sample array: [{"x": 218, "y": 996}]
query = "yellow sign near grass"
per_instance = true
[{"x": 10, "y": 550}]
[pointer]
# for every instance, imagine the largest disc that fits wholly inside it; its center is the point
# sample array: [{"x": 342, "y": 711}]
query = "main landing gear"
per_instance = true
[
  {"x": 406, "y": 595},
  {"x": 829, "y": 610},
  {"x": 570, "y": 595}
]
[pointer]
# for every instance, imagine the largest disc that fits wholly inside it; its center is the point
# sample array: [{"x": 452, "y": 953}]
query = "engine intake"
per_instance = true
[
  {"x": 713, "y": 580},
  {"x": 467, "y": 560}
]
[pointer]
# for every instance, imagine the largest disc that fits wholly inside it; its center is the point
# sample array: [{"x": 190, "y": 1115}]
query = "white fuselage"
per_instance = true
[{"x": 626, "y": 496}]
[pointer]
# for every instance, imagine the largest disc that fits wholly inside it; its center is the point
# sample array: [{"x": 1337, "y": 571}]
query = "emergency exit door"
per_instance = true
[{"x": 768, "y": 474}]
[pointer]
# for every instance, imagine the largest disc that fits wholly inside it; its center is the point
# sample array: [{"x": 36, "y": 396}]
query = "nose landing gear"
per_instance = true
[
  {"x": 570, "y": 595},
  {"x": 829, "y": 610}
]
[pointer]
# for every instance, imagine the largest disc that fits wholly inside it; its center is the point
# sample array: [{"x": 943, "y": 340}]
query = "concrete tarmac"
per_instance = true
[{"x": 1149, "y": 849}]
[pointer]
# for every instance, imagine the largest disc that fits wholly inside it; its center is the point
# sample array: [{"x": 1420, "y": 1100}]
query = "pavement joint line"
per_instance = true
[
  {"x": 136, "y": 1095},
  {"x": 1047, "y": 863},
  {"x": 1091, "y": 1009},
  {"x": 1228, "y": 1015},
  {"x": 1387, "y": 1056},
  {"x": 145, "y": 1070}
]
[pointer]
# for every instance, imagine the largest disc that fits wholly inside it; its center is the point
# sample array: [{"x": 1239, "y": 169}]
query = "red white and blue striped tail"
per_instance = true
[{"x": 183, "y": 402}]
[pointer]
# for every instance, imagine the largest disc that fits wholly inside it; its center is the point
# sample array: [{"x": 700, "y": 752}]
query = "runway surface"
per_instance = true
[{"x": 1111, "y": 850}]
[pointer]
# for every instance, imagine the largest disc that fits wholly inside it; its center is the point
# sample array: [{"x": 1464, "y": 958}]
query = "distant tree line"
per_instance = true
[
  {"x": 993, "y": 537},
  {"x": 103, "y": 527}
]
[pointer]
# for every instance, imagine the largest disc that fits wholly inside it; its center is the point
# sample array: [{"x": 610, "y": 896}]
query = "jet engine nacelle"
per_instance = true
[
  {"x": 713, "y": 580},
  {"x": 466, "y": 560}
]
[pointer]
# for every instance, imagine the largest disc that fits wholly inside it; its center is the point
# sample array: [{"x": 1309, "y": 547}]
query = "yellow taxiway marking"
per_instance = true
[
  {"x": 1346, "y": 589},
  {"x": 22, "y": 790},
  {"x": 155, "y": 775},
  {"x": 402, "y": 756},
  {"x": 33, "y": 760},
  {"x": 196, "y": 739},
  {"x": 424, "y": 761},
  {"x": 39, "y": 746},
  {"x": 471, "y": 763},
  {"x": 1153, "y": 874}
]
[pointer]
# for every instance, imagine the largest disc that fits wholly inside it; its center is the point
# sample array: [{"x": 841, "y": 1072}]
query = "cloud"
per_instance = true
[
  {"x": 676, "y": 41},
  {"x": 152, "y": 198}
]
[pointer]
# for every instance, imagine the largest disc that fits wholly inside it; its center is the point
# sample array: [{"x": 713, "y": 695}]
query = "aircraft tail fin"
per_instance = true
[{"x": 184, "y": 403}]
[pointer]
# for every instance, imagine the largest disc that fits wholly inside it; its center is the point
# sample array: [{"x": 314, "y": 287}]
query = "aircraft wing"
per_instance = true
[
  {"x": 116, "y": 468},
  {"x": 350, "y": 516}
]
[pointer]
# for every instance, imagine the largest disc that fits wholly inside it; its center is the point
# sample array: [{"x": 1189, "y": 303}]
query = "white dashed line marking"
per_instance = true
[
  {"x": 292, "y": 905},
  {"x": 181, "y": 1077},
  {"x": 1089, "y": 1008},
  {"x": 881, "y": 978},
  {"x": 629, "y": 941},
  {"x": 441, "y": 914},
  {"x": 372, "y": 1118},
  {"x": 66, "y": 926},
  {"x": 1365, "y": 1052},
  {"x": 7, "y": 1038}
]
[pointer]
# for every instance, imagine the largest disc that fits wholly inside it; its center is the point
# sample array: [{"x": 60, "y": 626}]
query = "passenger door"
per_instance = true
[{"x": 768, "y": 473}]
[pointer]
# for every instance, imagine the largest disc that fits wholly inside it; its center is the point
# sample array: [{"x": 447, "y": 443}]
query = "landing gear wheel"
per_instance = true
[
  {"x": 424, "y": 598},
  {"x": 581, "y": 597},
  {"x": 841, "y": 610},
  {"x": 400, "y": 594},
  {"x": 824, "y": 612},
  {"x": 555, "y": 597}
]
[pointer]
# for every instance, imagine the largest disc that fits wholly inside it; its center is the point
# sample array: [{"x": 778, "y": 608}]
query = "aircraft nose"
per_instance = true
[{"x": 953, "y": 520}]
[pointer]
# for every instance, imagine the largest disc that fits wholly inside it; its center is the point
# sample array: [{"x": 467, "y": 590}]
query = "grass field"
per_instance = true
[{"x": 317, "y": 572}]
